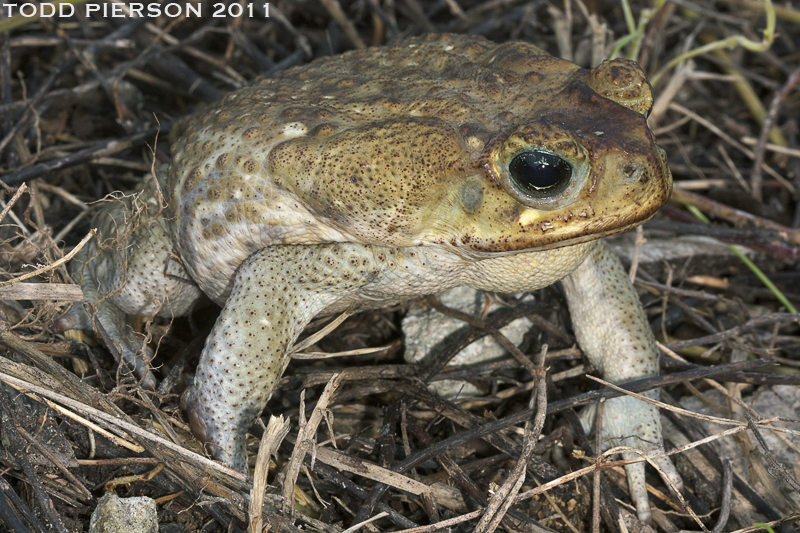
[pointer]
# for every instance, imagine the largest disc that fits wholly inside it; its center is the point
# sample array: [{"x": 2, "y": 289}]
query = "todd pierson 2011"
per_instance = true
[{"x": 136, "y": 9}]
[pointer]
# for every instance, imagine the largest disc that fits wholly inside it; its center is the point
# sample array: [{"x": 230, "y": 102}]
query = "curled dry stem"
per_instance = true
[{"x": 728, "y": 43}]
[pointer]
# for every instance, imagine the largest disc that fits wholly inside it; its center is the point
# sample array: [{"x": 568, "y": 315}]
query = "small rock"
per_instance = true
[
  {"x": 425, "y": 328},
  {"x": 124, "y": 515}
]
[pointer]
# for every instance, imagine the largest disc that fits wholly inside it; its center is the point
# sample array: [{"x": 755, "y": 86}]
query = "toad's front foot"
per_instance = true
[
  {"x": 275, "y": 294},
  {"x": 633, "y": 423}
]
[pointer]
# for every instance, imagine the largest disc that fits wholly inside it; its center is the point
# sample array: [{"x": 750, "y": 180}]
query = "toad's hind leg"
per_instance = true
[
  {"x": 130, "y": 269},
  {"x": 613, "y": 331},
  {"x": 276, "y": 293}
]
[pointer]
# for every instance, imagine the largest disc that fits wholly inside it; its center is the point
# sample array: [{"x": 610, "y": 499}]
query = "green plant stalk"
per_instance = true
[
  {"x": 784, "y": 12},
  {"x": 626, "y": 10},
  {"x": 623, "y": 41},
  {"x": 730, "y": 43},
  {"x": 750, "y": 98},
  {"x": 635, "y": 31},
  {"x": 752, "y": 266}
]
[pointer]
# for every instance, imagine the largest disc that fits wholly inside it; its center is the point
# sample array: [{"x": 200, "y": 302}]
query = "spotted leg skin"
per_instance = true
[
  {"x": 130, "y": 269},
  {"x": 275, "y": 294},
  {"x": 612, "y": 329}
]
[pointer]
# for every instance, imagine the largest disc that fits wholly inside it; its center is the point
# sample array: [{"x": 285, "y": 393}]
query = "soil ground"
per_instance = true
[{"x": 82, "y": 100}]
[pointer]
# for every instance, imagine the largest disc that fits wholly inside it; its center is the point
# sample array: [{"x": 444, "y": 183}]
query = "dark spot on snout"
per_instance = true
[{"x": 512, "y": 213}]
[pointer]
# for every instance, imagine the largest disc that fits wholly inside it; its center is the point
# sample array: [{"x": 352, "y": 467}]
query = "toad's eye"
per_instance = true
[{"x": 540, "y": 174}]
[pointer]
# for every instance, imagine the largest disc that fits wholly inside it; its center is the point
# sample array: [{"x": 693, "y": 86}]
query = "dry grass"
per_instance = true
[{"x": 81, "y": 102}]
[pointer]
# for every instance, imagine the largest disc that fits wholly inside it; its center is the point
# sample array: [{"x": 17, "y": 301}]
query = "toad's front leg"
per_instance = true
[
  {"x": 612, "y": 329},
  {"x": 276, "y": 293}
]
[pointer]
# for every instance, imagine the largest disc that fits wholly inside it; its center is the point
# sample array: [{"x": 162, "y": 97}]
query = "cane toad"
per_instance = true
[{"x": 386, "y": 174}]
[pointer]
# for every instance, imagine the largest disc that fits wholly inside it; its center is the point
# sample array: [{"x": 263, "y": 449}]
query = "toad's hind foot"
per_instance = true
[{"x": 130, "y": 270}]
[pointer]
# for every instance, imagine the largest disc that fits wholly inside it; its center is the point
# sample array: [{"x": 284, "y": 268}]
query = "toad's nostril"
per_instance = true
[{"x": 633, "y": 172}]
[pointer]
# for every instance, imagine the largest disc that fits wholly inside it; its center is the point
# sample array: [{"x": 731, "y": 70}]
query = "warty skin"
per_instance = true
[{"x": 381, "y": 175}]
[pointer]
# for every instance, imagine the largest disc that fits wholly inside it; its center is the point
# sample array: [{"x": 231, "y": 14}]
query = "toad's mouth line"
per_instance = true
[{"x": 477, "y": 255}]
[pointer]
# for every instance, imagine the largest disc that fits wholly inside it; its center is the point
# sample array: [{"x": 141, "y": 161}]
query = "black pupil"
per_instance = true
[{"x": 540, "y": 173}]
